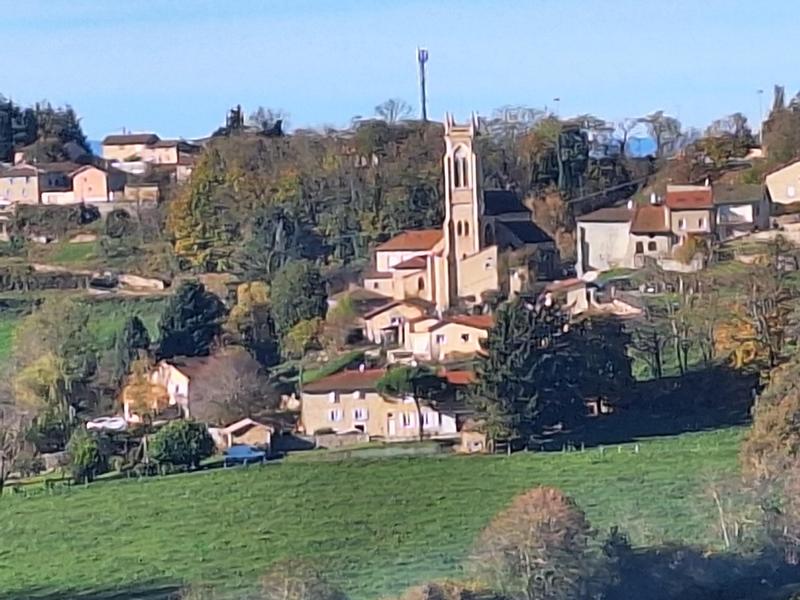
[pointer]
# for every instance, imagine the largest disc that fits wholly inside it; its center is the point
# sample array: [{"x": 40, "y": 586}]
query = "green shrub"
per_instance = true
[
  {"x": 52, "y": 220},
  {"x": 181, "y": 443},
  {"x": 87, "y": 455},
  {"x": 119, "y": 224}
]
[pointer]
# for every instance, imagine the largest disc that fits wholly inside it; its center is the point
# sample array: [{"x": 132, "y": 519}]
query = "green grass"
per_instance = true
[
  {"x": 374, "y": 526},
  {"x": 75, "y": 254}
]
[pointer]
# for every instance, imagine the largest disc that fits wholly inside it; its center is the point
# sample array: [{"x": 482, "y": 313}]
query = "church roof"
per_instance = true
[
  {"x": 420, "y": 239},
  {"x": 416, "y": 262},
  {"x": 527, "y": 232},
  {"x": 501, "y": 202}
]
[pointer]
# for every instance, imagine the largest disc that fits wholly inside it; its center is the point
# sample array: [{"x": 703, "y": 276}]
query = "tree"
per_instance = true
[
  {"x": 418, "y": 382},
  {"x": 506, "y": 393},
  {"x": 129, "y": 344},
  {"x": 191, "y": 321},
  {"x": 239, "y": 390},
  {"x": 340, "y": 321},
  {"x": 393, "y": 110},
  {"x": 294, "y": 579},
  {"x": 665, "y": 131},
  {"x": 181, "y": 443},
  {"x": 537, "y": 548},
  {"x": 302, "y": 337},
  {"x": 119, "y": 224},
  {"x": 144, "y": 398},
  {"x": 12, "y": 440},
  {"x": 86, "y": 455},
  {"x": 250, "y": 322},
  {"x": 298, "y": 293}
]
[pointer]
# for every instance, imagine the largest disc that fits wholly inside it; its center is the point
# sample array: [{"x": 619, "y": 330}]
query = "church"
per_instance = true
[
  {"x": 454, "y": 266},
  {"x": 435, "y": 280}
]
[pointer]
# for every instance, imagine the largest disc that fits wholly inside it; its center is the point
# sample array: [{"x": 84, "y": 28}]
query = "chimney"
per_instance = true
[{"x": 630, "y": 204}]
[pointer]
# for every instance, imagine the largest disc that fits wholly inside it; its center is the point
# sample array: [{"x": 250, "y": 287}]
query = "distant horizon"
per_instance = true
[{"x": 175, "y": 68}]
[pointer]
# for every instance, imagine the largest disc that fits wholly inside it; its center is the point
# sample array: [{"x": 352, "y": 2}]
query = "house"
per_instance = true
[
  {"x": 386, "y": 324},
  {"x": 456, "y": 336},
  {"x": 740, "y": 209},
  {"x": 650, "y": 235},
  {"x": 142, "y": 192},
  {"x": 783, "y": 184},
  {"x": 457, "y": 264},
  {"x": 200, "y": 387},
  {"x": 127, "y": 146},
  {"x": 573, "y": 295},
  {"x": 691, "y": 209},
  {"x": 349, "y": 401},
  {"x": 35, "y": 184},
  {"x": 602, "y": 239},
  {"x": 93, "y": 184},
  {"x": 245, "y": 431}
]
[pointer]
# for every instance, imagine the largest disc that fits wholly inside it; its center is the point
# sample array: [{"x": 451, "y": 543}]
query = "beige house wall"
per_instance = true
[
  {"x": 142, "y": 194},
  {"x": 161, "y": 155},
  {"x": 386, "y": 260},
  {"x": 381, "y": 285},
  {"x": 684, "y": 222},
  {"x": 413, "y": 284},
  {"x": 20, "y": 188},
  {"x": 90, "y": 184},
  {"x": 397, "y": 314},
  {"x": 602, "y": 246},
  {"x": 455, "y": 339},
  {"x": 393, "y": 420},
  {"x": 657, "y": 246},
  {"x": 478, "y": 273},
  {"x": 58, "y": 198},
  {"x": 257, "y": 435},
  {"x": 122, "y": 152},
  {"x": 784, "y": 185}
]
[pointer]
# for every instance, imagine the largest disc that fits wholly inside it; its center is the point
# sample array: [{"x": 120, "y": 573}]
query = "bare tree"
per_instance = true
[
  {"x": 664, "y": 129},
  {"x": 293, "y": 579},
  {"x": 234, "y": 390},
  {"x": 12, "y": 441},
  {"x": 393, "y": 110}
]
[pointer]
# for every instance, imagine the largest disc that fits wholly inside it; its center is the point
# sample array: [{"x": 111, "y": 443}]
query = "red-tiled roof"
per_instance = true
[
  {"x": 421, "y": 239},
  {"x": 416, "y": 262},
  {"x": 475, "y": 321},
  {"x": 373, "y": 274},
  {"x": 459, "y": 377},
  {"x": 689, "y": 199},
  {"x": 347, "y": 381},
  {"x": 650, "y": 218},
  {"x": 611, "y": 214}
]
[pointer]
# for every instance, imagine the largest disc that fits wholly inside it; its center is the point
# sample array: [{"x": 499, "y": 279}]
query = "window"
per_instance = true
[
  {"x": 375, "y": 285},
  {"x": 335, "y": 415},
  {"x": 333, "y": 398},
  {"x": 466, "y": 228},
  {"x": 639, "y": 247},
  {"x": 682, "y": 224},
  {"x": 460, "y": 168},
  {"x": 421, "y": 283},
  {"x": 464, "y": 337},
  {"x": 440, "y": 338},
  {"x": 488, "y": 235},
  {"x": 360, "y": 414},
  {"x": 430, "y": 419},
  {"x": 701, "y": 222},
  {"x": 651, "y": 246},
  {"x": 459, "y": 229},
  {"x": 407, "y": 419}
]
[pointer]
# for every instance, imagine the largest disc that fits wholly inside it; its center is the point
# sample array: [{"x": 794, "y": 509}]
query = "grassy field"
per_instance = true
[
  {"x": 108, "y": 316},
  {"x": 374, "y": 525}
]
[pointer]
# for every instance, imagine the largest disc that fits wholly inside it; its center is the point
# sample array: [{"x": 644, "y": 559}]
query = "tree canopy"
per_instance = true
[{"x": 191, "y": 321}]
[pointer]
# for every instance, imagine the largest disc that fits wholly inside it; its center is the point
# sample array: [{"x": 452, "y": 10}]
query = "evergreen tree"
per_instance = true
[
  {"x": 190, "y": 322},
  {"x": 520, "y": 352},
  {"x": 132, "y": 340},
  {"x": 298, "y": 294}
]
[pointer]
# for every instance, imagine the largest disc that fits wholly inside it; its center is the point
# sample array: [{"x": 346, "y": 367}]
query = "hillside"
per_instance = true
[{"x": 375, "y": 526}]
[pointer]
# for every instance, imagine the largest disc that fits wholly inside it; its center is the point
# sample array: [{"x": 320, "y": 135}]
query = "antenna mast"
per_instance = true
[{"x": 422, "y": 58}]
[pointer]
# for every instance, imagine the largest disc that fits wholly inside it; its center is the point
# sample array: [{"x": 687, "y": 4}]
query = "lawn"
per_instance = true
[{"x": 374, "y": 526}]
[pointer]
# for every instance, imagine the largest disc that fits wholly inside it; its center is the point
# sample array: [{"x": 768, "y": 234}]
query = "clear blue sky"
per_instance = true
[{"x": 176, "y": 66}]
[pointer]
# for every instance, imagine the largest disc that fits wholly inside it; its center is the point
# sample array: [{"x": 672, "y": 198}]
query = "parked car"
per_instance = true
[{"x": 242, "y": 454}]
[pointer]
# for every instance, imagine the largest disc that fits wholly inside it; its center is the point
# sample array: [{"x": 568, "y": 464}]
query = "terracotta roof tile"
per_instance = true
[
  {"x": 347, "y": 381},
  {"x": 374, "y": 274},
  {"x": 650, "y": 218},
  {"x": 416, "y": 262},
  {"x": 475, "y": 321},
  {"x": 459, "y": 377},
  {"x": 689, "y": 199},
  {"x": 421, "y": 239}
]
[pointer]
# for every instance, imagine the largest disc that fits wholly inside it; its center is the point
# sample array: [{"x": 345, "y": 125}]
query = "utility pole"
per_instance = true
[{"x": 422, "y": 58}]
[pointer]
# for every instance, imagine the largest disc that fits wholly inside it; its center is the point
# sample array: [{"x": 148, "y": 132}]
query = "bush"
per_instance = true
[
  {"x": 28, "y": 464},
  {"x": 87, "y": 455},
  {"x": 119, "y": 224},
  {"x": 181, "y": 443},
  {"x": 52, "y": 220}
]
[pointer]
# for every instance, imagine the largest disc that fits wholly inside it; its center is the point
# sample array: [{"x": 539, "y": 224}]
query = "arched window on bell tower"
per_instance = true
[{"x": 460, "y": 168}]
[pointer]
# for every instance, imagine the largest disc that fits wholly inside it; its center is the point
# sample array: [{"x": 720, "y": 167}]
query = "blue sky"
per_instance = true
[{"x": 176, "y": 66}]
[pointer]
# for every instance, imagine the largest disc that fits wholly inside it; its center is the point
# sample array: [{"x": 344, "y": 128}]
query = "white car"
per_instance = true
[{"x": 107, "y": 424}]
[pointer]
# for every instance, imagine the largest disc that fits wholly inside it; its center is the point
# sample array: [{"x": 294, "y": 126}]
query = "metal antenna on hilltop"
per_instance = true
[{"x": 422, "y": 58}]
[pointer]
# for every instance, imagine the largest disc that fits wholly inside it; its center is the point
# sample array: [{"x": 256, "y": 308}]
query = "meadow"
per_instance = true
[{"x": 375, "y": 526}]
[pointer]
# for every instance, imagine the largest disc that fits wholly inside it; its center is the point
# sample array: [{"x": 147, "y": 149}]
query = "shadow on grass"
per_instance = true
[
  {"x": 702, "y": 400},
  {"x": 152, "y": 591},
  {"x": 677, "y": 572}
]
